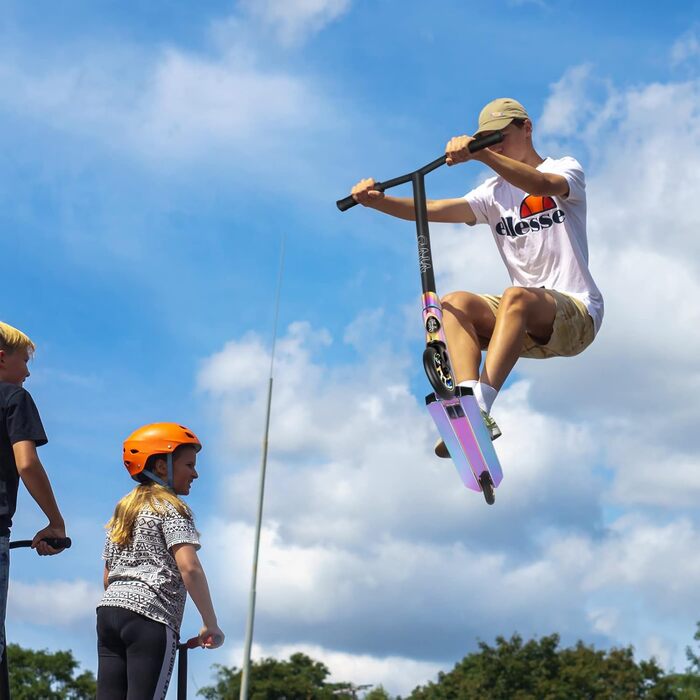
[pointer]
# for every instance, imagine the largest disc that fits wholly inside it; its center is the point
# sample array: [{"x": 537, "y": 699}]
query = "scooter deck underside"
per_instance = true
[{"x": 466, "y": 437}]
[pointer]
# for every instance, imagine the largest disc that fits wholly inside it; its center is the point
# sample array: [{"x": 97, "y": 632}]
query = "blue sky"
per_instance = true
[{"x": 153, "y": 154}]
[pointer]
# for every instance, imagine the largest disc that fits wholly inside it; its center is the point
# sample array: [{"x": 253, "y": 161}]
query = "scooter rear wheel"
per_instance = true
[
  {"x": 439, "y": 372},
  {"x": 486, "y": 484}
]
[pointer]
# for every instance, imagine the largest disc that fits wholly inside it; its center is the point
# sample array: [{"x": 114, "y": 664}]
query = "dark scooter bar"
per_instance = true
[
  {"x": 474, "y": 146},
  {"x": 55, "y": 542}
]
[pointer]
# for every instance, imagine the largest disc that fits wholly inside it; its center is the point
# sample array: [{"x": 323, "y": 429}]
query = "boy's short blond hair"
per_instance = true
[{"x": 12, "y": 339}]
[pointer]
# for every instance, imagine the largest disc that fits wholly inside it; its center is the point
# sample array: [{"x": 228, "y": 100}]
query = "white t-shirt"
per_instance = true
[{"x": 542, "y": 240}]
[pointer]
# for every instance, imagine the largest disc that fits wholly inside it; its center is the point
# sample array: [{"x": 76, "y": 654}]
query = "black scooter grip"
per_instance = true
[
  {"x": 349, "y": 202},
  {"x": 479, "y": 143},
  {"x": 55, "y": 542},
  {"x": 346, "y": 203}
]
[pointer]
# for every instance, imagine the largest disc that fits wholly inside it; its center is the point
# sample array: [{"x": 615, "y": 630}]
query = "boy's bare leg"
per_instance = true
[
  {"x": 466, "y": 318},
  {"x": 521, "y": 310}
]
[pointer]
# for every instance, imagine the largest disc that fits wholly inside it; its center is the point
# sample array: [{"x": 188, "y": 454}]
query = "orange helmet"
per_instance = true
[{"x": 155, "y": 439}]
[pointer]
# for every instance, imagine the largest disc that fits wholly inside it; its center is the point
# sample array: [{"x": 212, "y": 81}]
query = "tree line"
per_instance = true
[{"x": 509, "y": 669}]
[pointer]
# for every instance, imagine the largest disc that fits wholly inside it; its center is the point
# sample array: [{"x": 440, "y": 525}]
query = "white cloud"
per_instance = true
[
  {"x": 686, "y": 48},
  {"x": 568, "y": 107},
  {"x": 293, "y": 21},
  {"x": 173, "y": 104},
  {"x": 53, "y": 603},
  {"x": 188, "y": 107},
  {"x": 196, "y": 104}
]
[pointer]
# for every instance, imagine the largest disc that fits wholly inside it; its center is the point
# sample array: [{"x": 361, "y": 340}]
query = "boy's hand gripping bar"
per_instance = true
[{"x": 476, "y": 145}]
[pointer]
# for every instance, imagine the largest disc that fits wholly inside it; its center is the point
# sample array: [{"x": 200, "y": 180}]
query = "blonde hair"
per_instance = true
[
  {"x": 150, "y": 494},
  {"x": 12, "y": 339}
]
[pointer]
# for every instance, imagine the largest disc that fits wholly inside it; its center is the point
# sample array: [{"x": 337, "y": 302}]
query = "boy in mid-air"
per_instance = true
[
  {"x": 536, "y": 209},
  {"x": 21, "y": 432}
]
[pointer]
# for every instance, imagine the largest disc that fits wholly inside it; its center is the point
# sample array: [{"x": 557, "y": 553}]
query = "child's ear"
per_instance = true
[{"x": 160, "y": 467}]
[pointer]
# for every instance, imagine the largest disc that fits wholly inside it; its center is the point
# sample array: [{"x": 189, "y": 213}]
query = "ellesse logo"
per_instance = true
[
  {"x": 533, "y": 204},
  {"x": 536, "y": 214}
]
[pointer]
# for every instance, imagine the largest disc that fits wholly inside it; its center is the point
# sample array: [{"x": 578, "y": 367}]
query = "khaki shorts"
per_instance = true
[{"x": 572, "y": 333}]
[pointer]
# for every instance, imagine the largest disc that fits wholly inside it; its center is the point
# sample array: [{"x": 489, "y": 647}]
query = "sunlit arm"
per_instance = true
[
  {"x": 524, "y": 176},
  {"x": 195, "y": 581},
  {"x": 447, "y": 211},
  {"x": 37, "y": 482}
]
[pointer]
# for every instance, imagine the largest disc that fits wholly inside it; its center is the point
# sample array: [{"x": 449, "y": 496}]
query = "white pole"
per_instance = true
[{"x": 261, "y": 494}]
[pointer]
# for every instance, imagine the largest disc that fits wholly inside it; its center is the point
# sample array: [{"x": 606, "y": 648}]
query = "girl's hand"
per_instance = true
[
  {"x": 363, "y": 192},
  {"x": 211, "y": 637}
]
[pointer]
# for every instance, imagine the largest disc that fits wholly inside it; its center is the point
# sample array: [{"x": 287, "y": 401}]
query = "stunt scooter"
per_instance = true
[{"x": 453, "y": 408}]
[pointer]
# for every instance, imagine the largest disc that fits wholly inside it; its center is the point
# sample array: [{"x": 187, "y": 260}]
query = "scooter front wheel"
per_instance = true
[{"x": 437, "y": 367}]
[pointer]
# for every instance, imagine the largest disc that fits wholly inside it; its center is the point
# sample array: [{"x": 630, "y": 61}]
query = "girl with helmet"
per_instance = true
[{"x": 151, "y": 564}]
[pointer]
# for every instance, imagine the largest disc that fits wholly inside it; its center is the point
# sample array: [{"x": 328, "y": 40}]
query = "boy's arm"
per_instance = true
[
  {"x": 105, "y": 577},
  {"x": 521, "y": 175},
  {"x": 37, "y": 482},
  {"x": 524, "y": 176},
  {"x": 449, "y": 211}
]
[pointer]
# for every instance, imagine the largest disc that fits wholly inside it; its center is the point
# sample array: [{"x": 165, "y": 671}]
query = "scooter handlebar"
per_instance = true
[
  {"x": 194, "y": 642},
  {"x": 477, "y": 144},
  {"x": 55, "y": 542},
  {"x": 191, "y": 643}
]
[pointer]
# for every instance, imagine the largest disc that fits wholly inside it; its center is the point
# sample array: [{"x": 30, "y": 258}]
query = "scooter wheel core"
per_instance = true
[{"x": 437, "y": 367}]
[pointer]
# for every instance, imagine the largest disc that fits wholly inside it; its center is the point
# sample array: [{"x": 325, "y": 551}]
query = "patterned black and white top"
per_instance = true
[{"x": 143, "y": 576}]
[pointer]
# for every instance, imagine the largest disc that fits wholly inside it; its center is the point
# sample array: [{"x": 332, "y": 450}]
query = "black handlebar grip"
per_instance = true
[
  {"x": 479, "y": 144},
  {"x": 55, "y": 542},
  {"x": 346, "y": 203}
]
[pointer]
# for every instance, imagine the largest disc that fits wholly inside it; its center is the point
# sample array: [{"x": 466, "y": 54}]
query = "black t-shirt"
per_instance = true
[{"x": 19, "y": 420}]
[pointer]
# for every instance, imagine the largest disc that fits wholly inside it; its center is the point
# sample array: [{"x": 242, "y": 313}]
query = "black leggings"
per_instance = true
[{"x": 136, "y": 655}]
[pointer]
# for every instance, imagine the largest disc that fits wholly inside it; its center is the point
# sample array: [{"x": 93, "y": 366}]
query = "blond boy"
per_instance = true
[{"x": 21, "y": 432}]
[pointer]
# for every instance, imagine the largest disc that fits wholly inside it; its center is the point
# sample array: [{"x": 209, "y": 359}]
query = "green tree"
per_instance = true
[
  {"x": 693, "y": 658},
  {"x": 687, "y": 685},
  {"x": 539, "y": 670},
  {"x": 299, "y": 678},
  {"x": 45, "y": 675}
]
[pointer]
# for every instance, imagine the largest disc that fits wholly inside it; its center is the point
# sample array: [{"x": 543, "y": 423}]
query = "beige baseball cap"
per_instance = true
[{"x": 499, "y": 113}]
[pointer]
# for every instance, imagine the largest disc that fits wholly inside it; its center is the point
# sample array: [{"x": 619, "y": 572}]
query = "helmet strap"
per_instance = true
[
  {"x": 154, "y": 477},
  {"x": 171, "y": 471}
]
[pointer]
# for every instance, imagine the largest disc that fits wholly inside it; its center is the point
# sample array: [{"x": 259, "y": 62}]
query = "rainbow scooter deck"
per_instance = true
[{"x": 467, "y": 439}]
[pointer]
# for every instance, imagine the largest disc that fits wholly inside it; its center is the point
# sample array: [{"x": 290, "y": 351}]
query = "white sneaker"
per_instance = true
[{"x": 491, "y": 425}]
